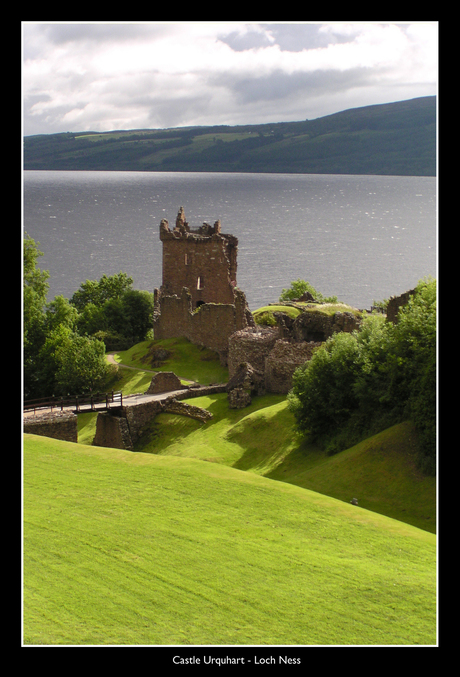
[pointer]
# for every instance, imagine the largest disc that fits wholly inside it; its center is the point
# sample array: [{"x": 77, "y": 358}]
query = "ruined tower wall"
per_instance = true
[
  {"x": 200, "y": 264},
  {"x": 209, "y": 326},
  {"x": 203, "y": 260}
]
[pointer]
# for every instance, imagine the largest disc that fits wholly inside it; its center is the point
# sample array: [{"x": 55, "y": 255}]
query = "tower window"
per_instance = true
[{"x": 200, "y": 283}]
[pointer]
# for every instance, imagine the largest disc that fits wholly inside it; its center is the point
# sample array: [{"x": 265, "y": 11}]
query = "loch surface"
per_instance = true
[{"x": 361, "y": 238}]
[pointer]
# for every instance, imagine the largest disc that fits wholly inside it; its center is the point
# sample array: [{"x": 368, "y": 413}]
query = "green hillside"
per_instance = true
[
  {"x": 380, "y": 472},
  {"x": 133, "y": 548},
  {"x": 393, "y": 139}
]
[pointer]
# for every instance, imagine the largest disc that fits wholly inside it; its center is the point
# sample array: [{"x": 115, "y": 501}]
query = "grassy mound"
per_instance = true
[
  {"x": 133, "y": 548},
  {"x": 264, "y": 315}
]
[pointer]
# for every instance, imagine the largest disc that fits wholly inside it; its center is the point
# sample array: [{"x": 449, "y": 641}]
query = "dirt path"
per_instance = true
[{"x": 111, "y": 359}]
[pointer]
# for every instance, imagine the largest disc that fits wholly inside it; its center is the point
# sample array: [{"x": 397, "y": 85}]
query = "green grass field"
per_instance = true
[{"x": 132, "y": 548}]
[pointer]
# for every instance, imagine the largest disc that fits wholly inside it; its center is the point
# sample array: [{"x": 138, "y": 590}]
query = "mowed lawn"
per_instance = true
[{"x": 134, "y": 548}]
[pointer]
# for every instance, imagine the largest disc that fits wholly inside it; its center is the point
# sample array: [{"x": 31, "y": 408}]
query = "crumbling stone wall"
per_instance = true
[
  {"x": 137, "y": 417},
  {"x": 112, "y": 431},
  {"x": 173, "y": 406},
  {"x": 395, "y": 303},
  {"x": 210, "y": 325},
  {"x": 59, "y": 426},
  {"x": 122, "y": 427},
  {"x": 318, "y": 327},
  {"x": 265, "y": 353},
  {"x": 282, "y": 362},
  {"x": 251, "y": 345}
]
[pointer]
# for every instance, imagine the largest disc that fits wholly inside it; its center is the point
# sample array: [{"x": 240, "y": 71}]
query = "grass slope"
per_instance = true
[
  {"x": 380, "y": 472},
  {"x": 131, "y": 548}
]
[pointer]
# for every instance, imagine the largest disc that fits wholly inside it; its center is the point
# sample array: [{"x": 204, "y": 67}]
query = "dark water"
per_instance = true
[{"x": 357, "y": 237}]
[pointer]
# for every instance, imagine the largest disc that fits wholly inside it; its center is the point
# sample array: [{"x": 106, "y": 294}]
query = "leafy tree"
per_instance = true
[
  {"x": 82, "y": 366},
  {"x": 35, "y": 289},
  {"x": 98, "y": 292},
  {"x": 60, "y": 312},
  {"x": 299, "y": 287},
  {"x": 139, "y": 306},
  {"x": 111, "y": 308},
  {"x": 71, "y": 364},
  {"x": 322, "y": 396},
  {"x": 413, "y": 369},
  {"x": 91, "y": 320}
]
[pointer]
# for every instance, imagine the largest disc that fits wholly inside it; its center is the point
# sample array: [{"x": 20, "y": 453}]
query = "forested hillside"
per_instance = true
[{"x": 392, "y": 139}]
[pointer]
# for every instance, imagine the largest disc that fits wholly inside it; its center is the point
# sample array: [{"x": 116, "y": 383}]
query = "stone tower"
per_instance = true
[
  {"x": 198, "y": 298},
  {"x": 202, "y": 260}
]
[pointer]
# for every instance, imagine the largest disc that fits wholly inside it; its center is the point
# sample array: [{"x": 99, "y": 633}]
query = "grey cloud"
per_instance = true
[
  {"x": 279, "y": 85},
  {"x": 292, "y": 37},
  {"x": 242, "y": 42},
  {"x": 101, "y": 33},
  {"x": 297, "y": 37}
]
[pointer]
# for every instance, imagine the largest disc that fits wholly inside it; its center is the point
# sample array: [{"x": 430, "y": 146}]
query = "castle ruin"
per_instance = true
[
  {"x": 198, "y": 298},
  {"x": 202, "y": 260}
]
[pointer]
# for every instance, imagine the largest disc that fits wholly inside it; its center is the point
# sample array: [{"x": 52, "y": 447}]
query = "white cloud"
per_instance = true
[{"x": 83, "y": 76}]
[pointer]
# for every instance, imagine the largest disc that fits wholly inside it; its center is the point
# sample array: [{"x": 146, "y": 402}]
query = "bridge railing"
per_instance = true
[{"x": 111, "y": 399}]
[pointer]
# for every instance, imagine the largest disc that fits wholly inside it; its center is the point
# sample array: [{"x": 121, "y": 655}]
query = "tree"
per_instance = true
[
  {"x": 322, "y": 396},
  {"x": 112, "y": 310},
  {"x": 35, "y": 289},
  {"x": 60, "y": 312},
  {"x": 139, "y": 306},
  {"x": 299, "y": 287},
  {"x": 82, "y": 366},
  {"x": 98, "y": 292}
]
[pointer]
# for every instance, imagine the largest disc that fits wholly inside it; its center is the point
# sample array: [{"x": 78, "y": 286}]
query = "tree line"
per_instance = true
[{"x": 65, "y": 341}]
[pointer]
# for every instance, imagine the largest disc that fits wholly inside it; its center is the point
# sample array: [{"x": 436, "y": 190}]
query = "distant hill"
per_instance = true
[{"x": 392, "y": 139}]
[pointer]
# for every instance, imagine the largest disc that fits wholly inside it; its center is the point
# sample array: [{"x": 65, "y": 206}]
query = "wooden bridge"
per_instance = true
[{"x": 80, "y": 403}]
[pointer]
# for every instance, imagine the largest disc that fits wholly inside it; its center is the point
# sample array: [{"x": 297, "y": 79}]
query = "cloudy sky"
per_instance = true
[{"x": 132, "y": 75}]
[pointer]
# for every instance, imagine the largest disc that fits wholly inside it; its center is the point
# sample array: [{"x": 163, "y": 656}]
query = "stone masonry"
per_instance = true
[
  {"x": 198, "y": 299},
  {"x": 203, "y": 260}
]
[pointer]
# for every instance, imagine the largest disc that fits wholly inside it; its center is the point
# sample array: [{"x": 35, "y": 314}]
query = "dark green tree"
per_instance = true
[
  {"x": 109, "y": 287},
  {"x": 71, "y": 364},
  {"x": 35, "y": 289},
  {"x": 299, "y": 287}
]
